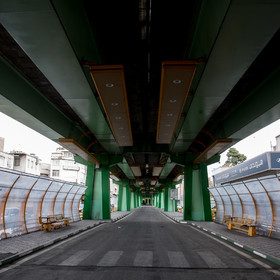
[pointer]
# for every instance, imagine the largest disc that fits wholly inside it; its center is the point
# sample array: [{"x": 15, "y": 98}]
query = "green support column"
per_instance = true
[
  {"x": 205, "y": 192},
  {"x": 128, "y": 198},
  {"x": 120, "y": 197},
  {"x": 124, "y": 197},
  {"x": 174, "y": 204},
  {"x": 197, "y": 199},
  {"x": 188, "y": 193},
  {"x": 160, "y": 200},
  {"x": 89, "y": 192},
  {"x": 168, "y": 203},
  {"x": 101, "y": 194}
]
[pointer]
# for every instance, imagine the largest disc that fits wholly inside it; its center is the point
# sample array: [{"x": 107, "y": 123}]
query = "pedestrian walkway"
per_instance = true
[
  {"x": 265, "y": 247},
  {"x": 14, "y": 248}
]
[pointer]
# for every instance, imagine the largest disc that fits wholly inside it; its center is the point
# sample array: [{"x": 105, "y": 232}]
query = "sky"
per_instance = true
[{"x": 21, "y": 138}]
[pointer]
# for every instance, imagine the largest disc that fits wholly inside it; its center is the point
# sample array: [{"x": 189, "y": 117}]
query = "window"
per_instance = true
[
  {"x": 55, "y": 173},
  {"x": 28, "y": 163},
  {"x": 17, "y": 161}
]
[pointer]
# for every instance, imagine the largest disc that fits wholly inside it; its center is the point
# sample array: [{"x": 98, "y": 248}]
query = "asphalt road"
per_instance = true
[{"x": 144, "y": 245}]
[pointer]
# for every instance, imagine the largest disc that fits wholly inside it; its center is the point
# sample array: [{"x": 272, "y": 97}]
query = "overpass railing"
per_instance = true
[
  {"x": 25, "y": 197},
  {"x": 256, "y": 198}
]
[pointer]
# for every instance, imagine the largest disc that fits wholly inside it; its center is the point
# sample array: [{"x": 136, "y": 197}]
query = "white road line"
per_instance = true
[
  {"x": 144, "y": 258},
  {"x": 121, "y": 219},
  {"x": 43, "y": 251},
  {"x": 110, "y": 258},
  {"x": 212, "y": 260},
  {"x": 169, "y": 219},
  {"x": 77, "y": 258},
  {"x": 177, "y": 259},
  {"x": 236, "y": 250}
]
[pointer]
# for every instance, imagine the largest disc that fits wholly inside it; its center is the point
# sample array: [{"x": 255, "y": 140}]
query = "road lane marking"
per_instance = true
[
  {"x": 169, "y": 219},
  {"x": 144, "y": 258},
  {"x": 110, "y": 258},
  {"x": 43, "y": 251},
  {"x": 121, "y": 219},
  {"x": 177, "y": 259},
  {"x": 236, "y": 250},
  {"x": 77, "y": 258},
  {"x": 212, "y": 260}
]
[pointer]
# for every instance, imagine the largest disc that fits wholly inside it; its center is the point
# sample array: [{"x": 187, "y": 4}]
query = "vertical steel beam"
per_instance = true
[
  {"x": 232, "y": 207},
  {"x": 205, "y": 193},
  {"x": 87, "y": 213},
  {"x": 120, "y": 197},
  {"x": 25, "y": 204},
  {"x": 54, "y": 200},
  {"x": 72, "y": 202},
  {"x": 222, "y": 203},
  {"x": 271, "y": 205},
  {"x": 5, "y": 203},
  {"x": 188, "y": 192},
  {"x": 256, "y": 214},
  {"x": 242, "y": 210},
  {"x": 65, "y": 198}
]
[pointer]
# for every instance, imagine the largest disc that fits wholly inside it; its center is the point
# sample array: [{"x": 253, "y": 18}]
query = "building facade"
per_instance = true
[
  {"x": 26, "y": 163},
  {"x": 64, "y": 167}
]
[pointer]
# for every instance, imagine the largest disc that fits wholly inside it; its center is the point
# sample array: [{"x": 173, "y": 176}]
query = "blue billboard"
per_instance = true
[{"x": 261, "y": 163}]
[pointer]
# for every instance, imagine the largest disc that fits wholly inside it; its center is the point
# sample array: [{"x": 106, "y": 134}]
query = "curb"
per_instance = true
[
  {"x": 246, "y": 248},
  {"x": 45, "y": 245},
  {"x": 52, "y": 242}
]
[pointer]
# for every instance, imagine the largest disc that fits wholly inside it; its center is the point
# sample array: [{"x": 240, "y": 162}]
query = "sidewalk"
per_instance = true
[
  {"x": 14, "y": 248},
  {"x": 267, "y": 248}
]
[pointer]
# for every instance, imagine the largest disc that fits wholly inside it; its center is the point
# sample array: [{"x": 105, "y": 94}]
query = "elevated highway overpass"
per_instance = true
[{"x": 142, "y": 90}]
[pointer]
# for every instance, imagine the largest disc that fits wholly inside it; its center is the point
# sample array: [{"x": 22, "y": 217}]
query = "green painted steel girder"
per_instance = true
[
  {"x": 20, "y": 99},
  {"x": 231, "y": 54},
  {"x": 264, "y": 104},
  {"x": 34, "y": 24}
]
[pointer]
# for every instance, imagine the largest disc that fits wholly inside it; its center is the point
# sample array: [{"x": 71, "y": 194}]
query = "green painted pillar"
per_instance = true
[
  {"x": 174, "y": 202},
  {"x": 101, "y": 194},
  {"x": 168, "y": 203},
  {"x": 120, "y": 197},
  {"x": 187, "y": 193},
  {"x": 136, "y": 199},
  {"x": 128, "y": 197},
  {"x": 205, "y": 192},
  {"x": 197, "y": 199},
  {"x": 160, "y": 204},
  {"x": 89, "y": 192},
  {"x": 124, "y": 197}
]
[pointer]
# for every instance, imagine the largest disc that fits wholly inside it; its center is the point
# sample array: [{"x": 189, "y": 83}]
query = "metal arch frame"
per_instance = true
[
  {"x": 42, "y": 200},
  {"x": 222, "y": 202},
  {"x": 80, "y": 202},
  {"x": 242, "y": 209},
  {"x": 25, "y": 203},
  {"x": 66, "y": 198},
  {"x": 271, "y": 205},
  {"x": 232, "y": 207},
  {"x": 73, "y": 202},
  {"x": 216, "y": 206},
  {"x": 256, "y": 211},
  {"x": 5, "y": 203},
  {"x": 54, "y": 200}
]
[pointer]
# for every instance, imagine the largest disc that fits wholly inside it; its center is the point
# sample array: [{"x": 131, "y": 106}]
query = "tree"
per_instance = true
[{"x": 234, "y": 157}]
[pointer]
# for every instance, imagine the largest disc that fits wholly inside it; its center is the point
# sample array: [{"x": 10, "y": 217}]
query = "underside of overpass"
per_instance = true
[{"x": 142, "y": 90}]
